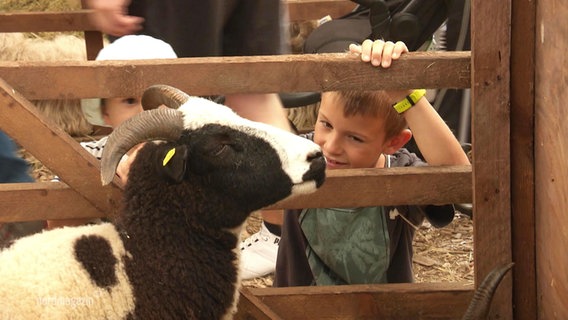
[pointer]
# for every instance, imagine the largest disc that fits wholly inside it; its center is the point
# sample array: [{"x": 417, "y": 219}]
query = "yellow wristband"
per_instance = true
[{"x": 409, "y": 101}]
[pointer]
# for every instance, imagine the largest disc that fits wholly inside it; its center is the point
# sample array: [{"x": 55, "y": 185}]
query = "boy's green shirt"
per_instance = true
[{"x": 346, "y": 246}]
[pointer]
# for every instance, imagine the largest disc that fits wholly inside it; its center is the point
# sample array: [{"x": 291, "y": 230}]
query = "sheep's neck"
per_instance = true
[
  {"x": 171, "y": 231},
  {"x": 169, "y": 259}
]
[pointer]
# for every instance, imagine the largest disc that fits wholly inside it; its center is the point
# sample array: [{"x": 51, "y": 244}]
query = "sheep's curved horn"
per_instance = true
[
  {"x": 157, "y": 95},
  {"x": 157, "y": 124},
  {"x": 481, "y": 301}
]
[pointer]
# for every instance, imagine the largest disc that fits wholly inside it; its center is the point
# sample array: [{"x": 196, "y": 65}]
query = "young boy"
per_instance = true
[
  {"x": 111, "y": 112},
  {"x": 359, "y": 129}
]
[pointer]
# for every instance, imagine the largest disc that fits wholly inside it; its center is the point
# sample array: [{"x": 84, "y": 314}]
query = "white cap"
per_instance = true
[{"x": 131, "y": 47}]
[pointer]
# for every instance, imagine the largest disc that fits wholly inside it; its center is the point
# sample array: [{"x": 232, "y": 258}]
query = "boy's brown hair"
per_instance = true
[{"x": 374, "y": 104}]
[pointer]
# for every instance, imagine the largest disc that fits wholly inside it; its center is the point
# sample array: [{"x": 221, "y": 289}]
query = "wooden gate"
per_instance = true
[{"x": 500, "y": 178}]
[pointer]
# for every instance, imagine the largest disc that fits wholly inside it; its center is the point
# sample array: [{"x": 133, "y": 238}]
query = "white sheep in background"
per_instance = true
[{"x": 171, "y": 253}]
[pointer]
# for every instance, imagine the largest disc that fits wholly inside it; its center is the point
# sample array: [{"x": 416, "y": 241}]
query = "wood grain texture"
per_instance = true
[
  {"x": 387, "y": 301},
  {"x": 43, "y": 201},
  {"x": 490, "y": 36},
  {"x": 225, "y": 75},
  {"x": 372, "y": 187},
  {"x": 251, "y": 307},
  {"x": 55, "y": 149},
  {"x": 522, "y": 158},
  {"x": 551, "y": 151},
  {"x": 45, "y": 21},
  {"x": 343, "y": 188}
]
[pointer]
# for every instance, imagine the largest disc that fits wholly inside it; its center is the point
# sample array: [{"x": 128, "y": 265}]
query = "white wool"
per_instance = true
[{"x": 29, "y": 289}]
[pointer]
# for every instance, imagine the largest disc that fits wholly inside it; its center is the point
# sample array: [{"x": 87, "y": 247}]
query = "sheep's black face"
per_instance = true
[
  {"x": 217, "y": 167},
  {"x": 238, "y": 170},
  {"x": 238, "y": 165}
]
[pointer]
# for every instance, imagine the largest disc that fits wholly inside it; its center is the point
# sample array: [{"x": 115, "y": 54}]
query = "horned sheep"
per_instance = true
[{"x": 171, "y": 252}]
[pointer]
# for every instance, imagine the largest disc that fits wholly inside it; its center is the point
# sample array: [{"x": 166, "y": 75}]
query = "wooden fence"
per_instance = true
[{"x": 486, "y": 184}]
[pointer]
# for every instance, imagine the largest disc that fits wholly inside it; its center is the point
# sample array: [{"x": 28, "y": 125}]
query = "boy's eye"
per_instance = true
[
  {"x": 130, "y": 100},
  {"x": 325, "y": 124},
  {"x": 356, "y": 139}
]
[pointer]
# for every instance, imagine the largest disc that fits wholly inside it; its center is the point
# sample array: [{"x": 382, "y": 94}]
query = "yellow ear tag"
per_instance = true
[{"x": 168, "y": 156}]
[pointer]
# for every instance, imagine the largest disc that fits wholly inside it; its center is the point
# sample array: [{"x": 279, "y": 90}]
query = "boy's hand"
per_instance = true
[
  {"x": 379, "y": 52},
  {"x": 123, "y": 167}
]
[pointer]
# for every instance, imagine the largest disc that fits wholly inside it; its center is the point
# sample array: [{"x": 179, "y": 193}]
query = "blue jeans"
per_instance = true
[{"x": 14, "y": 169}]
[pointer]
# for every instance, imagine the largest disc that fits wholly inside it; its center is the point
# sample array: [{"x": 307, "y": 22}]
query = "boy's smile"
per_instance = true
[{"x": 333, "y": 164}]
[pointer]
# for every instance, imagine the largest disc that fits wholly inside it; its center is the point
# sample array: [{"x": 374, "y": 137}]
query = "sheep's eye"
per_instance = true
[{"x": 220, "y": 149}]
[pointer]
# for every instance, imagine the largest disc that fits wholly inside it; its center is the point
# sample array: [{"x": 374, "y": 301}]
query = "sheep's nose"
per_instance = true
[
  {"x": 314, "y": 155},
  {"x": 316, "y": 172}
]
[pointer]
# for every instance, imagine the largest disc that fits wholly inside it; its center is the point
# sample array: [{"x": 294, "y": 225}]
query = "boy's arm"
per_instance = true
[{"x": 434, "y": 138}]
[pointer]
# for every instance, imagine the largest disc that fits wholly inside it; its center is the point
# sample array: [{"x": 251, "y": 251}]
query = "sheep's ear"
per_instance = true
[{"x": 171, "y": 163}]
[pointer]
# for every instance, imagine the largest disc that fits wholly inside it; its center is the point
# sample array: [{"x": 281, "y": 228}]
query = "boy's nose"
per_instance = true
[{"x": 332, "y": 145}]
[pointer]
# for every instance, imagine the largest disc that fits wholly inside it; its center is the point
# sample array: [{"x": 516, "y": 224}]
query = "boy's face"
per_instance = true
[
  {"x": 348, "y": 142},
  {"x": 117, "y": 110}
]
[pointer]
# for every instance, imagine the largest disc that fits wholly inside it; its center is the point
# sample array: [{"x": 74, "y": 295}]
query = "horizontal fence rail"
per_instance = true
[
  {"x": 46, "y": 21},
  {"x": 225, "y": 75},
  {"x": 395, "y": 186},
  {"x": 382, "y": 301}
]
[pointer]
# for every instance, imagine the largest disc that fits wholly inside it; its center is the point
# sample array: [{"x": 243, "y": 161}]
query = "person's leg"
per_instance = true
[{"x": 14, "y": 169}]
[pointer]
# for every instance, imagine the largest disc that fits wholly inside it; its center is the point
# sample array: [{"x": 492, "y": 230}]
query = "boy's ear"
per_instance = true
[{"x": 397, "y": 142}]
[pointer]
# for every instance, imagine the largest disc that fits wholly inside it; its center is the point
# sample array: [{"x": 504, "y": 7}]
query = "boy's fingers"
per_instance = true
[
  {"x": 366, "y": 50},
  {"x": 377, "y": 52},
  {"x": 399, "y": 49},
  {"x": 387, "y": 54},
  {"x": 355, "y": 48}
]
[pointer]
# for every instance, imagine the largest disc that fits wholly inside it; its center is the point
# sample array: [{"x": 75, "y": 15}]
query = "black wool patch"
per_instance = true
[{"x": 95, "y": 255}]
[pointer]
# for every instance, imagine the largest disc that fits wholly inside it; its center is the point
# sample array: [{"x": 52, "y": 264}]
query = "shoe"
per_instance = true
[{"x": 258, "y": 254}]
